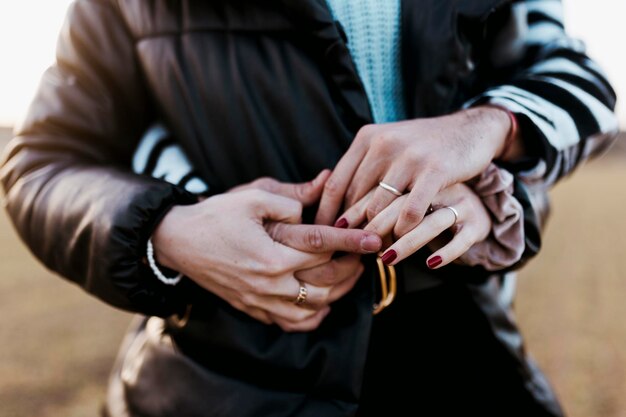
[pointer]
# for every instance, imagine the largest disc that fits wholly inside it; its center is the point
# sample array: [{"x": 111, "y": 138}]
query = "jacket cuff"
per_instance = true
[{"x": 129, "y": 271}]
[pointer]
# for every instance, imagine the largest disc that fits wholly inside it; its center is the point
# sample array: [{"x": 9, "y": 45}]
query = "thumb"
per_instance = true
[
  {"x": 275, "y": 207},
  {"x": 306, "y": 193}
]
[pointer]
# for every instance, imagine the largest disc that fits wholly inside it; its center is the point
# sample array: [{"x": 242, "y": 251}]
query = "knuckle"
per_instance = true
[
  {"x": 315, "y": 238},
  {"x": 247, "y": 299},
  {"x": 313, "y": 324},
  {"x": 265, "y": 183},
  {"x": 238, "y": 305},
  {"x": 352, "y": 242},
  {"x": 303, "y": 315},
  {"x": 412, "y": 213},
  {"x": 257, "y": 193},
  {"x": 302, "y": 191},
  {"x": 301, "y": 327},
  {"x": 433, "y": 169},
  {"x": 382, "y": 140},
  {"x": 274, "y": 267},
  {"x": 257, "y": 197},
  {"x": 365, "y": 132},
  {"x": 267, "y": 264},
  {"x": 372, "y": 211},
  {"x": 288, "y": 327},
  {"x": 332, "y": 187},
  {"x": 413, "y": 155}
]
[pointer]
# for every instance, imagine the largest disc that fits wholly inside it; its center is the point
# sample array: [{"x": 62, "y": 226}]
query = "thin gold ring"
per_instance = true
[
  {"x": 302, "y": 294},
  {"x": 393, "y": 190}
]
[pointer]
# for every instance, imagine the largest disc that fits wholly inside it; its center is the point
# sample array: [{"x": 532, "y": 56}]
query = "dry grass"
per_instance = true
[
  {"x": 571, "y": 299},
  {"x": 57, "y": 344}
]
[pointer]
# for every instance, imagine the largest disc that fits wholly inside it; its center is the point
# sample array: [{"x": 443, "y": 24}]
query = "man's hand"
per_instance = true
[{"x": 418, "y": 157}]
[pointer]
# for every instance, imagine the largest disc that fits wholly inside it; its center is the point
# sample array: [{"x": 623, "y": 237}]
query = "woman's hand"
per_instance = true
[
  {"x": 423, "y": 156},
  {"x": 473, "y": 225},
  {"x": 225, "y": 244}
]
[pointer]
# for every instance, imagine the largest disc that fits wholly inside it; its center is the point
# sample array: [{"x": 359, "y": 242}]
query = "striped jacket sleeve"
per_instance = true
[{"x": 561, "y": 97}]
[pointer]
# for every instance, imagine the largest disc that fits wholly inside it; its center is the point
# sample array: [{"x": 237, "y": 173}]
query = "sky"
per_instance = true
[{"x": 28, "y": 30}]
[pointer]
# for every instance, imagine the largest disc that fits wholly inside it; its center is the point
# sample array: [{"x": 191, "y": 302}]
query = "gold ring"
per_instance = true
[
  {"x": 391, "y": 189},
  {"x": 302, "y": 293}
]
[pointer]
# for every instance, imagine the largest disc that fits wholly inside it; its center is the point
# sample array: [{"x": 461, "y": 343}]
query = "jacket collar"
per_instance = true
[
  {"x": 333, "y": 54},
  {"x": 434, "y": 56}
]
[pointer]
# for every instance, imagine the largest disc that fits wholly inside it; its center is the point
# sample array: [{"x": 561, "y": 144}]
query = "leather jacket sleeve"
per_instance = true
[{"x": 66, "y": 175}]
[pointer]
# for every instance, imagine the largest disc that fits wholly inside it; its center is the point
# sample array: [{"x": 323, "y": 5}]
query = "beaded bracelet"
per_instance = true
[{"x": 155, "y": 269}]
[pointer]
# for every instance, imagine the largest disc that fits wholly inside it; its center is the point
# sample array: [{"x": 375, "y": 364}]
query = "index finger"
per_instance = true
[{"x": 324, "y": 239}]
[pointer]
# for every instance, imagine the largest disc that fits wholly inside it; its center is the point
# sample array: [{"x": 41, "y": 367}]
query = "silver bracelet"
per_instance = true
[{"x": 155, "y": 269}]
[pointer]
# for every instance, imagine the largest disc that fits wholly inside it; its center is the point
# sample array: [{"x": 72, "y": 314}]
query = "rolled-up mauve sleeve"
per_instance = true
[
  {"x": 561, "y": 97},
  {"x": 66, "y": 175}
]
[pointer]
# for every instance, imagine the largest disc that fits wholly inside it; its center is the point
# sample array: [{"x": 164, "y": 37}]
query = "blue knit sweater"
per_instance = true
[{"x": 373, "y": 30}]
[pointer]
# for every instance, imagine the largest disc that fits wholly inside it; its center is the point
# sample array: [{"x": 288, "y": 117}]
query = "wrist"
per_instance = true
[
  {"x": 512, "y": 147},
  {"x": 502, "y": 124},
  {"x": 164, "y": 238},
  {"x": 174, "y": 277}
]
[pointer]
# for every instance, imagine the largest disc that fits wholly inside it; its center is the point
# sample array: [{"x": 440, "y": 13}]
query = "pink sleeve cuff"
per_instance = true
[{"x": 505, "y": 244}]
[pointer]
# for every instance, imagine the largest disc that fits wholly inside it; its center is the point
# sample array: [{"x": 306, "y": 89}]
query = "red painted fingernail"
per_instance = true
[
  {"x": 389, "y": 256},
  {"x": 434, "y": 262},
  {"x": 341, "y": 223}
]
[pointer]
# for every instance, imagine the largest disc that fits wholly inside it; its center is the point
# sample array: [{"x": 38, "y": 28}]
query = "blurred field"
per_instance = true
[
  {"x": 57, "y": 344},
  {"x": 571, "y": 298}
]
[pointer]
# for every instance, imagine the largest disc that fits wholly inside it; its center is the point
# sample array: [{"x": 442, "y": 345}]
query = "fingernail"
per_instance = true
[
  {"x": 370, "y": 243},
  {"x": 341, "y": 223},
  {"x": 389, "y": 256},
  {"x": 434, "y": 262}
]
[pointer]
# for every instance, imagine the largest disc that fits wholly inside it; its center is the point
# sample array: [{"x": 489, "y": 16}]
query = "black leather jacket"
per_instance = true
[{"x": 250, "y": 89}]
